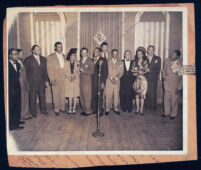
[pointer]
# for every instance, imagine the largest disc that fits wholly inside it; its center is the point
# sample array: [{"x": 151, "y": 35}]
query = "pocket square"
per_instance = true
[{"x": 156, "y": 61}]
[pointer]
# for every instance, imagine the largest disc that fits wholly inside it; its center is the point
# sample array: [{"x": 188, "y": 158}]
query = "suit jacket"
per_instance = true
[
  {"x": 88, "y": 69},
  {"x": 127, "y": 78},
  {"x": 36, "y": 73},
  {"x": 106, "y": 55},
  {"x": 55, "y": 72},
  {"x": 14, "y": 83},
  {"x": 104, "y": 71},
  {"x": 172, "y": 81},
  {"x": 23, "y": 77},
  {"x": 115, "y": 70},
  {"x": 155, "y": 67}
]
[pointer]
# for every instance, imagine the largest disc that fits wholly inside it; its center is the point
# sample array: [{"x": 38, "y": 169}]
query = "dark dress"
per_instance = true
[
  {"x": 126, "y": 88},
  {"x": 14, "y": 97},
  {"x": 103, "y": 77}
]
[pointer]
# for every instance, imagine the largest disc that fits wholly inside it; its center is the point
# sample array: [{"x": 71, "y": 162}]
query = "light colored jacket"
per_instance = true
[
  {"x": 115, "y": 70},
  {"x": 55, "y": 72}
]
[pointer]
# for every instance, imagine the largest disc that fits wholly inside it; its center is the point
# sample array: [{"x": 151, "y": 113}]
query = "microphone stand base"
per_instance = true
[{"x": 98, "y": 133}]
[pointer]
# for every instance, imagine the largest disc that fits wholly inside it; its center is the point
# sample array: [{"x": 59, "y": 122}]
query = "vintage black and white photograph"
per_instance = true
[{"x": 97, "y": 80}]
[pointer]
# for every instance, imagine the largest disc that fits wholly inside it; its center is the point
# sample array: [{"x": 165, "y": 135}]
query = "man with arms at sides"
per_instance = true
[
  {"x": 36, "y": 71},
  {"x": 115, "y": 72},
  {"x": 154, "y": 64},
  {"x": 172, "y": 80},
  {"x": 86, "y": 72},
  {"x": 126, "y": 84},
  {"x": 14, "y": 91},
  {"x": 25, "y": 113},
  {"x": 105, "y": 53},
  {"x": 98, "y": 62},
  {"x": 55, "y": 67}
]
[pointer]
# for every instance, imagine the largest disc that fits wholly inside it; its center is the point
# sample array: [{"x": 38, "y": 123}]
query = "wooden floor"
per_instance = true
[{"x": 122, "y": 132}]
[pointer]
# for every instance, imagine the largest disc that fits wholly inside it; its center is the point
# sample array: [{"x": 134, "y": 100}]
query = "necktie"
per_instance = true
[
  {"x": 38, "y": 59},
  {"x": 95, "y": 59}
]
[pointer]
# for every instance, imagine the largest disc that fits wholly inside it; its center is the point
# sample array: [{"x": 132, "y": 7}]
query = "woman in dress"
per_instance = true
[
  {"x": 139, "y": 69},
  {"x": 72, "y": 89}
]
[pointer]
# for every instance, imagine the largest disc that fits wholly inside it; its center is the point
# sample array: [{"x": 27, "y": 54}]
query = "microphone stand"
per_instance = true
[{"x": 98, "y": 133}]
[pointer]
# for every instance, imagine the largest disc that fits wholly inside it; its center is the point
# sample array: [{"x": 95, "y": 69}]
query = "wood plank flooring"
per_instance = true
[{"x": 122, "y": 132}]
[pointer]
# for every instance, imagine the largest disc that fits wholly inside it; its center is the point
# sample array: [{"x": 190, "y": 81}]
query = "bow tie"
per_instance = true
[{"x": 127, "y": 60}]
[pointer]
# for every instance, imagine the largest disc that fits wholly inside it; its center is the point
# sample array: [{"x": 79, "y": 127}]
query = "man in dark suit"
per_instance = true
[
  {"x": 86, "y": 72},
  {"x": 126, "y": 84},
  {"x": 152, "y": 78},
  {"x": 25, "y": 113},
  {"x": 99, "y": 62},
  {"x": 14, "y": 91},
  {"x": 36, "y": 69}
]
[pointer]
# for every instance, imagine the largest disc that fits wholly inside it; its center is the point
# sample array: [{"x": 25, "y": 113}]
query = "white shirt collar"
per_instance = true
[
  {"x": 14, "y": 65},
  {"x": 84, "y": 59},
  {"x": 36, "y": 56},
  {"x": 114, "y": 60}
]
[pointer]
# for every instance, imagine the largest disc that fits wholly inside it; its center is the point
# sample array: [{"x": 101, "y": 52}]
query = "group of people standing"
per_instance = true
[{"x": 102, "y": 81}]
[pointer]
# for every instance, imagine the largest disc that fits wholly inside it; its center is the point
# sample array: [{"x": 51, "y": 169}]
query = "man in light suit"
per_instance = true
[
  {"x": 36, "y": 71},
  {"x": 86, "y": 72},
  {"x": 115, "y": 72},
  {"x": 172, "y": 80},
  {"x": 55, "y": 68}
]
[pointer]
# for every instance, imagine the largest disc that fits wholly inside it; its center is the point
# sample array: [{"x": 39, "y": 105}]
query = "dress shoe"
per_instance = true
[
  {"x": 73, "y": 111},
  {"x": 57, "y": 113},
  {"x": 84, "y": 114},
  {"x": 172, "y": 118},
  {"x": 124, "y": 110},
  {"x": 45, "y": 113},
  {"x": 28, "y": 118},
  {"x": 34, "y": 116},
  {"x": 70, "y": 111},
  {"x": 129, "y": 111},
  {"x": 107, "y": 113},
  {"x": 62, "y": 111},
  {"x": 137, "y": 112},
  {"x": 163, "y": 115},
  {"x": 117, "y": 112},
  {"x": 19, "y": 128},
  {"x": 141, "y": 113},
  {"x": 22, "y": 122}
]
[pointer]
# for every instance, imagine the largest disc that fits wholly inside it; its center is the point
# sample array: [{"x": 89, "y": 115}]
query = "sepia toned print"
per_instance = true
[{"x": 97, "y": 82}]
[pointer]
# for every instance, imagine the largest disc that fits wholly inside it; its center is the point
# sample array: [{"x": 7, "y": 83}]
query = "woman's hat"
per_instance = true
[{"x": 72, "y": 51}]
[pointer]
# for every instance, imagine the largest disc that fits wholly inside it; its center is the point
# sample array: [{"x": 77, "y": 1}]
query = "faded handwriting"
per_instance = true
[
  {"x": 154, "y": 159},
  {"x": 73, "y": 162},
  {"x": 134, "y": 159},
  {"x": 43, "y": 161},
  {"x": 100, "y": 160},
  {"x": 52, "y": 161},
  {"x": 90, "y": 161},
  {"x": 122, "y": 159},
  {"x": 28, "y": 161},
  {"x": 108, "y": 156}
]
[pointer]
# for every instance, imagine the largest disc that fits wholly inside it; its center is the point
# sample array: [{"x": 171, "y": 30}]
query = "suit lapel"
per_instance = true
[
  {"x": 34, "y": 60},
  {"x": 153, "y": 59},
  {"x": 12, "y": 67}
]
